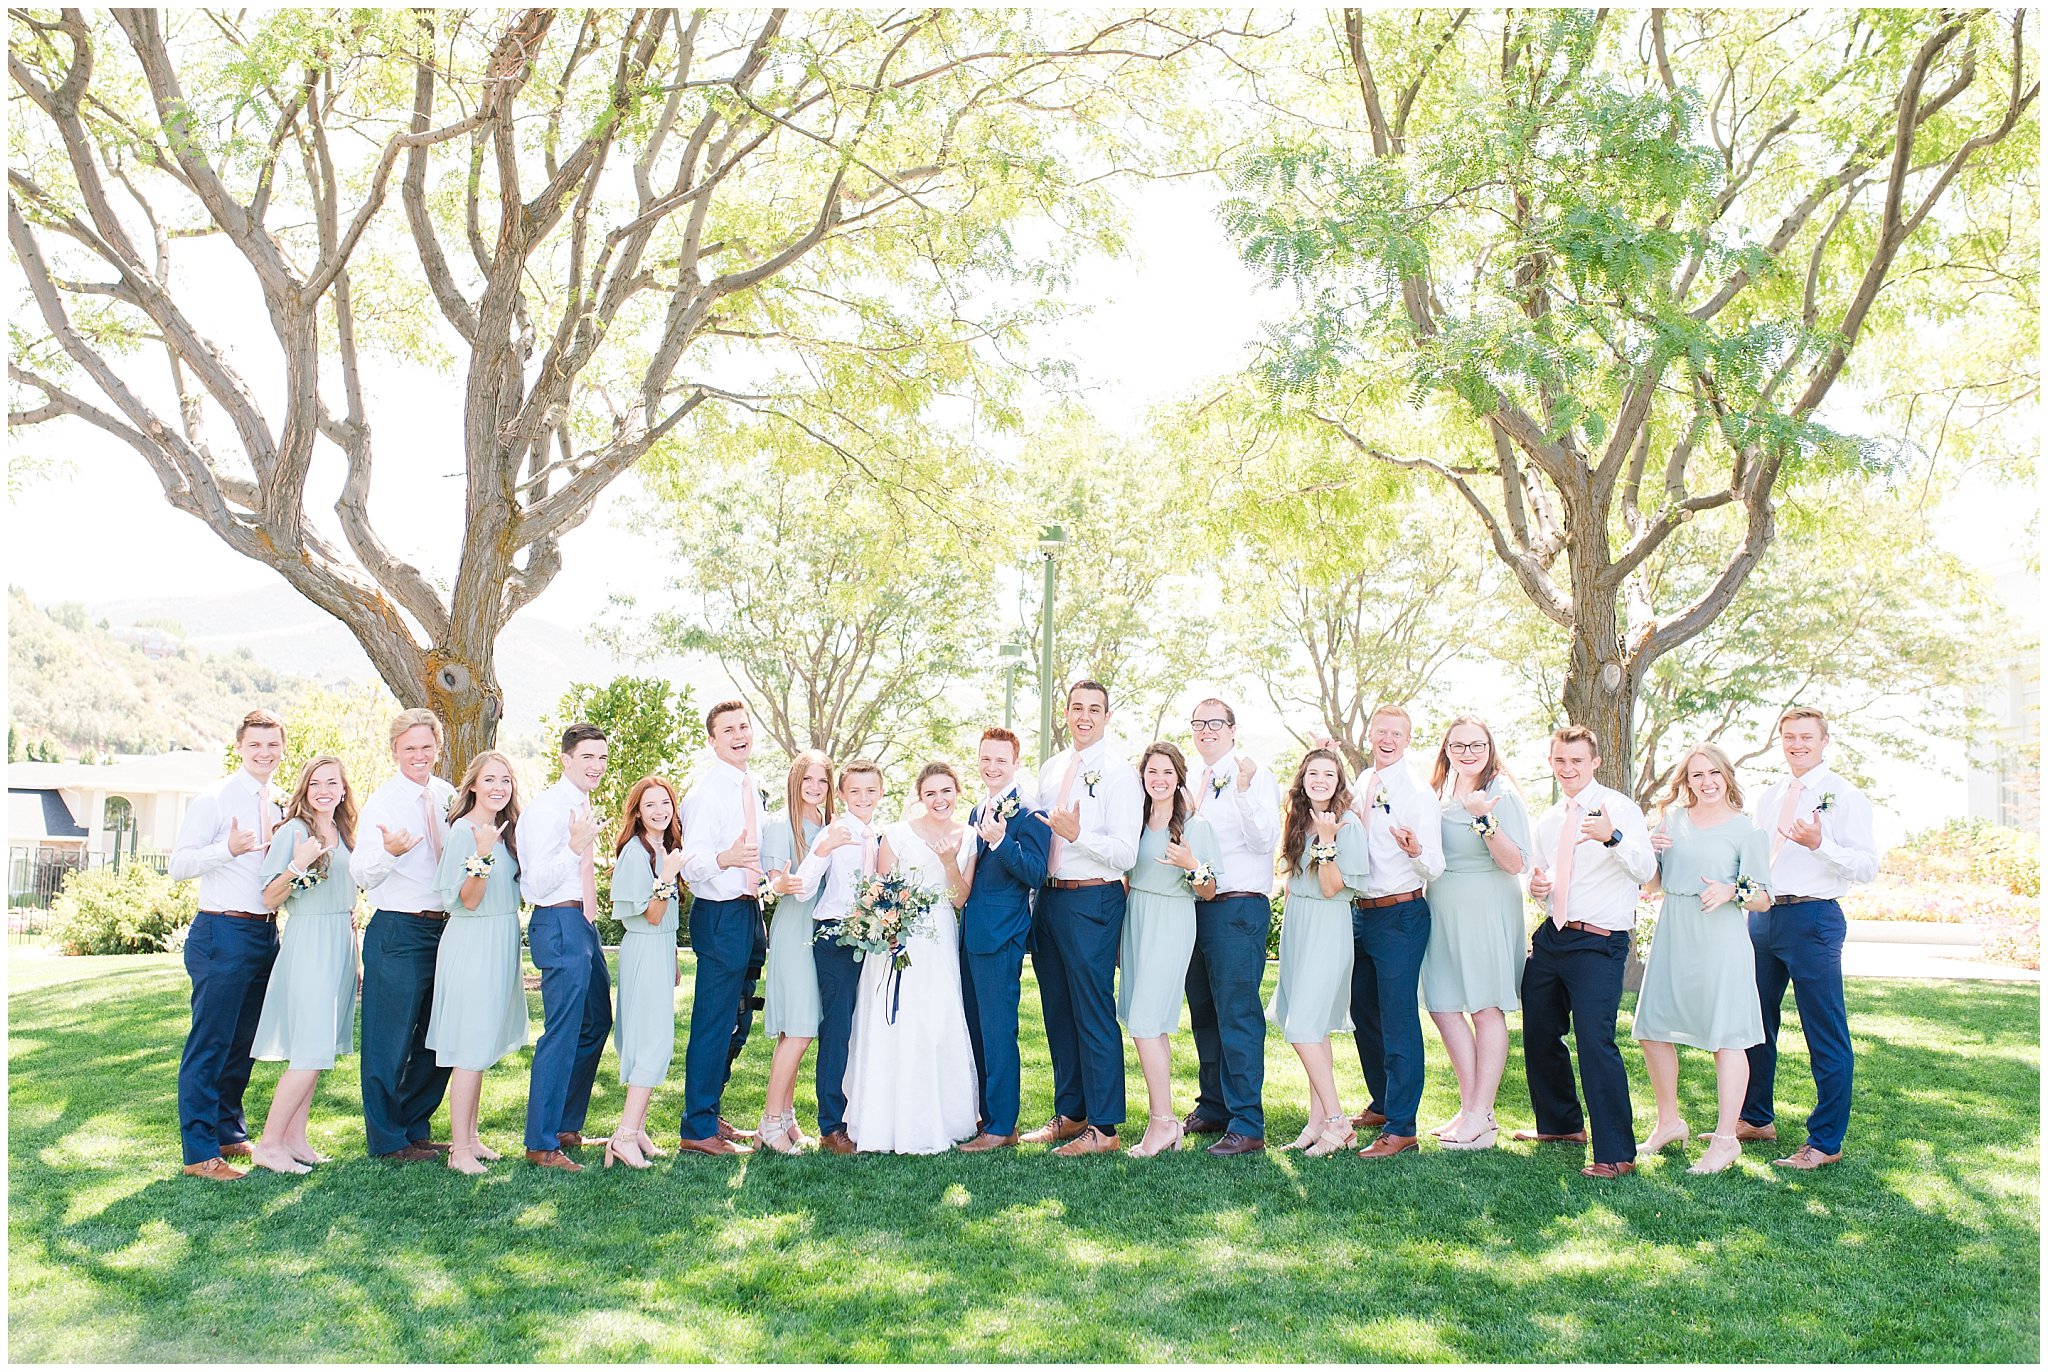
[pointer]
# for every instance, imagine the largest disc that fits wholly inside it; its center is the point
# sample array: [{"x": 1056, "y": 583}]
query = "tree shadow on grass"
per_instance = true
[{"x": 1905, "y": 1250}]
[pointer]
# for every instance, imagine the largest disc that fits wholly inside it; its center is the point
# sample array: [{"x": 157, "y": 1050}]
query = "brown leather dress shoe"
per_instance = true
[
  {"x": 549, "y": 1157},
  {"x": 1387, "y": 1146},
  {"x": 1235, "y": 1145},
  {"x": 1745, "y": 1132},
  {"x": 1202, "y": 1124},
  {"x": 1805, "y": 1160},
  {"x": 732, "y": 1133},
  {"x": 1368, "y": 1118},
  {"x": 1089, "y": 1140},
  {"x": 569, "y": 1138},
  {"x": 1058, "y": 1129},
  {"x": 237, "y": 1150},
  {"x": 1532, "y": 1136},
  {"x": 988, "y": 1143},
  {"x": 214, "y": 1169},
  {"x": 715, "y": 1146},
  {"x": 1607, "y": 1171},
  {"x": 412, "y": 1152},
  {"x": 429, "y": 1143},
  {"x": 838, "y": 1142}
]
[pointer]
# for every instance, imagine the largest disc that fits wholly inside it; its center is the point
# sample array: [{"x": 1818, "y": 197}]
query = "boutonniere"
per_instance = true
[
  {"x": 1216, "y": 786},
  {"x": 1089, "y": 779},
  {"x": 1007, "y": 807},
  {"x": 1198, "y": 874},
  {"x": 1382, "y": 802},
  {"x": 1827, "y": 802},
  {"x": 479, "y": 864},
  {"x": 1486, "y": 826}
]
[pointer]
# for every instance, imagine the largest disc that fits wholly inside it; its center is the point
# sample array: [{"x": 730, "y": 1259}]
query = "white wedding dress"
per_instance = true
[{"x": 910, "y": 1085}]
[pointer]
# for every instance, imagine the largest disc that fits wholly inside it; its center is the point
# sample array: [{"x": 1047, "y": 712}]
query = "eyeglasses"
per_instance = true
[
  {"x": 1466, "y": 749},
  {"x": 1208, "y": 724}
]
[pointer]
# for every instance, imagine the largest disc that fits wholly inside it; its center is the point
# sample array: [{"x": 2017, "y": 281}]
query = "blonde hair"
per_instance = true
[
  {"x": 1803, "y": 712},
  {"x": 1396, "y": 711},
  {"x": 413, "y": 719},
  {"x": 1681, "y": 788}
]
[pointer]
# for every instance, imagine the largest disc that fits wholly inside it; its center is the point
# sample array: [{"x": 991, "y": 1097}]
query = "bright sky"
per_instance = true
[{"x": 1182, "y": 309}]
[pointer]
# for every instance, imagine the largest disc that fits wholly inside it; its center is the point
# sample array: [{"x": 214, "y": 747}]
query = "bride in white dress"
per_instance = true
[{"x": 910, "y": 1085}]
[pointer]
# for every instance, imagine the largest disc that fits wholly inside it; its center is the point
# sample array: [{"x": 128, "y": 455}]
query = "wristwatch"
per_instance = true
[{"x": 1613, "y": 840}]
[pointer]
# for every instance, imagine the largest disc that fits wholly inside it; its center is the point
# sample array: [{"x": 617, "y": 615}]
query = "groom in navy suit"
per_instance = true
[{"x": 1010, "y": 847}]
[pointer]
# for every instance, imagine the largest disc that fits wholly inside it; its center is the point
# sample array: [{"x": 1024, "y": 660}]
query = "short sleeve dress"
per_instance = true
[
  {"x": 1159, "y": 931},
  {"x": 1313, "y": 998},
  {"x": 479, "y": 1012},
  {"x": 309, "y": 1009},
  {"x": 1699, "y": 985}
]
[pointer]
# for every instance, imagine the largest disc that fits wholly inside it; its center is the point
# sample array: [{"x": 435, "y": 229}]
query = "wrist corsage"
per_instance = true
[
  {"x": 1746, "y": 887},
  {"x": 1320, "y": 853},
  {"x": 479, "y": 864},
  {"x": 1486, "y": 826},
  {"x": 308, "y": 879},
  {"x": 1201, "y": 872},
  {"x": 665, "y": 890},
  {"x": 1089, "y": 779}
]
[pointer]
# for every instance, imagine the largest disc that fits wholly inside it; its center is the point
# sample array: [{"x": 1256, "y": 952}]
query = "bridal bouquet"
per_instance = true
[{"x": 886, "y": 911}]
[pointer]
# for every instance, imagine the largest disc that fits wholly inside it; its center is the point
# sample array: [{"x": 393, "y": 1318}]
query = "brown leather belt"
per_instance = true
[
  {"x": 1800, "y": 900},
  {"x": 1586, "y": 928},
  {"x": 417, "y": 914},
  {"x": 1382, "y": 902},
  {"x": 1233, "y": 895},
  {"x": 1059, "y": 885},
  {"x": 267, "y": 916}
]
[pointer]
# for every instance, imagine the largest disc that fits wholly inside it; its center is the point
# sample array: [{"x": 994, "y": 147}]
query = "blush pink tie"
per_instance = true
[
  {"x": 1052, "y": 861},
  {"x": 433, "y": 826},
  {"x": 1561, "y": 873},
  {"x": 1786, "y": 813},
  {"x": 870, "y": 846},
  {"x": 589, "y": 881},
  {"x": 1202, "y": 791}
]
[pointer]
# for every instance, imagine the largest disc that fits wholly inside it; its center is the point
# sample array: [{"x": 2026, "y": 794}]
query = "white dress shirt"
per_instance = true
[
  {"x": 1393, "y": 871},
  {"x": 714, "y": 818},
  {"x": 550, "y": 871},
  {"x": 1107, "y": 846},
  {"x": 839, "y": 868},
  {"x": 1606, "y": 882},
  {"x": 406, "y": 882},
  {"x": 1848, "y": 845},
  {"x": 1246, "y": 822},
  {"x": 226, "y": 882}
]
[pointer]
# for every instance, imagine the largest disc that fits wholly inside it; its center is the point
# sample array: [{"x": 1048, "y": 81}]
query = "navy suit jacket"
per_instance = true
[{"x": 998, "y": 907}]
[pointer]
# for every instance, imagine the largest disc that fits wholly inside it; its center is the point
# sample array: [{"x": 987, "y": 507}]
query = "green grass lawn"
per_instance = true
[{"x": 1922, "y": 1245}]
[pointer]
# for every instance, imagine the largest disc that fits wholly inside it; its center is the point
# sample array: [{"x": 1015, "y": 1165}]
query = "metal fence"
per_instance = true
[{"x": 35, "y": 875}]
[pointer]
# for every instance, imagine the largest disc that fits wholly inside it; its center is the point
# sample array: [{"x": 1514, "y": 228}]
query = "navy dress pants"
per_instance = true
[
  {"x": 1387, "y": 945},
  {"x": 838, "y": 991},
  {"x": 1572, "y": 983},
  {"x": 229, "y": 963},
  {"x": 991, "y": 985},
  {"x": 576, "y": 1019},
  {"x": 1801, "y": 943},
  {"x": 1225, "y": 977},
  {"x": 723, "y": 934},
  {"x": 1074, "y": 950},
  {"x": 403, "y": 1084}
]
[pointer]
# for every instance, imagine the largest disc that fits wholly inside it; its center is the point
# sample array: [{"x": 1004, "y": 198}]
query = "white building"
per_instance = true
[
  {"x": 2005, "y": 768},
  {"x": 74, "y": 807}
]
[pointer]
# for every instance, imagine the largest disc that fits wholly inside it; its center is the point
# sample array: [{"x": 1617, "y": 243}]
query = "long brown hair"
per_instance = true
[
  {"x": 1177, "y": 821},
  {"x": 1294, "y": 839},
  {"x": 794, "y": 802},
  {"x": 631, "y": 828},
  {"x": 465, "y": 797},
  {"x": 1440, "y": 772},
  {"x": 299, "y": 808}
]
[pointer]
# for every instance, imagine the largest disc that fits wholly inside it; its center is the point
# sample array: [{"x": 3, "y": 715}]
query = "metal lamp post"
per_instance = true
[
  {"x": 1010, "y": 657},
  {"x": 1051, "y": 538}
]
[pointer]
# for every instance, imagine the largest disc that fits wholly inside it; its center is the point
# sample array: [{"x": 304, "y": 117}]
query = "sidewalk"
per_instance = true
[{"x": 1897, "y": 948}]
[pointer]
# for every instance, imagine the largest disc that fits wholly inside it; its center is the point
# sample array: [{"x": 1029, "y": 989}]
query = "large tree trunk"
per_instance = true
[
  {"x": 1602, "y": 697},
  {"x": 465, "y": 695}
]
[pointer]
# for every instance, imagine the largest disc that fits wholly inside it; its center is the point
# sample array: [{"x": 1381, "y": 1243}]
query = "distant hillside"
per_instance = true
[
  {"x": 76, "y": 685},
  {"x": 537, "y": 659}
]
